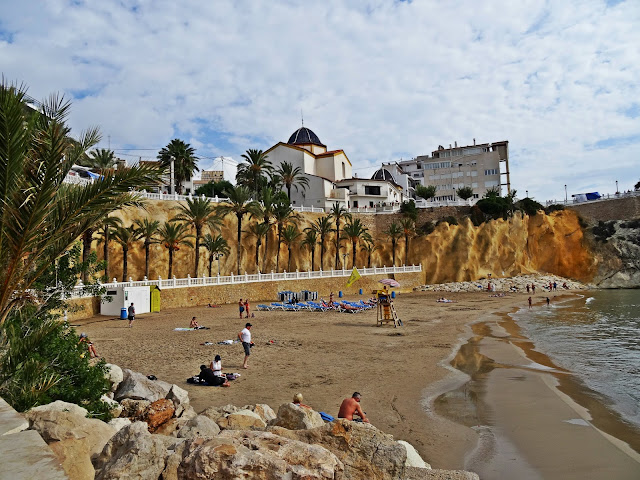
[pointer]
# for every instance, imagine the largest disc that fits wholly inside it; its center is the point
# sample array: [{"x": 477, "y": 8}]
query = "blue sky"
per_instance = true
[{"x": 381, "y": 79}]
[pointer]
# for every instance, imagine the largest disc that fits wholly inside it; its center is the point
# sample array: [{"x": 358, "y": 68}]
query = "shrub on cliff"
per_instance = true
[
  {"x": 427, "y": 228},
  {"x": 554, "y": 207},
  {"x": 603, "y": 230},
  {"x": 409, "y": 209},
  {"x": 529, "y": 206}
]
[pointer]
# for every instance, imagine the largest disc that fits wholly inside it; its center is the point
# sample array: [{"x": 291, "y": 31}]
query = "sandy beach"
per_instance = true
[{"x": 327, "y": 356}]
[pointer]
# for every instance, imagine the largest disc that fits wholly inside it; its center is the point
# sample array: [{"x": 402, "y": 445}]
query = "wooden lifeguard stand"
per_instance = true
[{"x": 386, "y": 311}]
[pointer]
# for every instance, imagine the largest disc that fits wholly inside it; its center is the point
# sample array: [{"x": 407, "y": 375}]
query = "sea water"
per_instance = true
[{"x": 597, "y": 338}]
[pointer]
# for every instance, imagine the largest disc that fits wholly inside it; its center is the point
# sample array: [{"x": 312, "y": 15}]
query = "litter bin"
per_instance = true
[
  {"x": 360, "y": 292},
  {"x": 340, "y": 294},
  {"x": 123, "y": 313},
  {"x": 393, "y": 294}
]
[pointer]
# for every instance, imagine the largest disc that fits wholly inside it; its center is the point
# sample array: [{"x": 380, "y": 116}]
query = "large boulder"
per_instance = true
[
  {"x": 295, "y": 417},
  {"x": 365, "y": 451},
  {"x": 180, "y": 399},
  {"x": 60, "y": 406},
  {"x": 265, "y": 411},
  {"x": 114, "y": 407},
  {"x": 119, "y": 423},
  {"x": 413, "y": 457},
  {"x": 216, "y": 413},
  {"x": 134, "y": 409},
  {"x": 133, "y": 453},
  {"x": 256, "y": 455},
  {"x": 73, "y": 439},
  {"x": 158, "y": 413},
  {"x": 138, "y": 387},
  {"x": 199, "y": 427},
  {"x": 114, "y": 374},
  {"x": 241, "y": 420}
]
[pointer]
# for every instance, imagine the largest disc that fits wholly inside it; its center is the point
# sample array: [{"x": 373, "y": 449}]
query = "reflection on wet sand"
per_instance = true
[{"x": 523, "y": 423}]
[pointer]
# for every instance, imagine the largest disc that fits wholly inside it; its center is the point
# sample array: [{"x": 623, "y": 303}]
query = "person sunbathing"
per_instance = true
[
  {"x": 297, "y": 400},
  {"x": 194, "y": 323},
  {"x": 92, "y": 349},
  {"x": 346, "y": 306}
]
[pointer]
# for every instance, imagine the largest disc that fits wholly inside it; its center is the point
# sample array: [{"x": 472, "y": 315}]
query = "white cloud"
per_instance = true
[{"x": 380, "y": 79}]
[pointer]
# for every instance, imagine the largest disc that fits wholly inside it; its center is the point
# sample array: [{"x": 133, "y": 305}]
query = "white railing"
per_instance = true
[
  {"x": 603, "y": 198},
  {"x": 78, "y": 291},
  {"x": 77, "y": 180}
]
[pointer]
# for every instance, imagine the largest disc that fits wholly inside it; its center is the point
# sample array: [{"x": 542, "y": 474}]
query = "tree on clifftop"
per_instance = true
[
  {"x": 185, "y": 162},
  {"x": 394, "y": 232}
]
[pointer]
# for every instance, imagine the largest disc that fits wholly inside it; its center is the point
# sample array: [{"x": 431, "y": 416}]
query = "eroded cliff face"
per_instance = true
[
  {"x": 619, "y": 256},
  {"x": 543, "y": 243}
]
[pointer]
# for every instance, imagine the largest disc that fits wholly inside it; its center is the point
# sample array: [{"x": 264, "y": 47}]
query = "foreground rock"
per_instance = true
[
  {"x": 133, "y": 452},
  {"x": 257, "y": 455},
  {"x": 365, "y": 451},
  {"x": 294, "y": 417},
  {"x": 73, "y": 438},
  {"x": 136, "y": 386},
  {"x": 519, "y": 283}
]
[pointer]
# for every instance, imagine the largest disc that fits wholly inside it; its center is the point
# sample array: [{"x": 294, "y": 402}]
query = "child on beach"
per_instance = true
[
  {"x": 246, "y": 308},
  {"x": 92, "y": 349}
]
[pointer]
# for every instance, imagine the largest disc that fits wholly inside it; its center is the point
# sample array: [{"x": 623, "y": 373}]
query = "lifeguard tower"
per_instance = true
[{"x": 386, "y": 311}]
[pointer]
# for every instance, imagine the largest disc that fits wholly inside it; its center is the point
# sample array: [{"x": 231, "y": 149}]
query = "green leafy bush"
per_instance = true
[
  {"x": 409, "y": 209},
  {"x": 213, "y": 189},
  {"x": 555, "y": 207},
  {"x": 603, "y": 230},
  {"x": 476, "y": 216},
  {"x": 529, "y": 206},
  {"x": 427, "y": 228},
  {"x": 451, "y": 220},
  {"x": 41, "y": 361}
]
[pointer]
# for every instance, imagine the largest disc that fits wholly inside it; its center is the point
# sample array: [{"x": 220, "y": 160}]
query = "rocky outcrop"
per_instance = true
[
  {"x": 199, "y": 427},
  {"x": 365, "y": 451},
  {"x": 133, "y": 452},
  {"x": 134, "y": 409},
  {"x": 241, "y": 420},
  {"x": 114, "y": 374},
  {"x": 506, "y": 285},
  {"x": 617, "y": 245},
  {"x": 72, "y": 437},
  {"x": 413, "y": 457},
  {"x": 60, "y": 406},
  {"x": 295, "y": 417},
  {"x": 258, "y": 455},
  {"x": 158, "y": 413},
  {"x": 136, "y": 386}
]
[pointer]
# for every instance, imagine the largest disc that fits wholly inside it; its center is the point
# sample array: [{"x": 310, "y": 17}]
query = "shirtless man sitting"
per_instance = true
[{"x": 351, "y": 406}]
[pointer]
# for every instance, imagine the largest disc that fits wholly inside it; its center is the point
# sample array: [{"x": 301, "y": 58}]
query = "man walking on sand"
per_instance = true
[
  {"x": 245, "y": 338},
  {"x": 351, "y": 406},
  {"x": 131, "y": 314}
]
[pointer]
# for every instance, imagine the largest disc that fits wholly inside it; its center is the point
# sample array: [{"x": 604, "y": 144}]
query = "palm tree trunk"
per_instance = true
[
  {"x": 258, "y": 256},
  {"x": 266, "y": 249},
  {"x": 239, "y": 216},
  {"x": 125, "y": 254},
  {"x": 146, "y": 259},
  {"x": 406, "y": 249},
  {"x": 313, "y": 254},
  {"x": 369, "y": 261},
  {"x": 105, "y": 254},
  {"x": 321, "y": 253},
  {"x": 198, "y": 234},
  {"x": 337, "y": 243},
  {"x": 353, "y": 254},
  {"x": 289, "y": 192},
  {"x": 210, "y": 263},
  {"x": 278, "y": 252},
  {"x": 289, "y": 259},
  {"x": 87, "y": 238},
  {"x": 393, "y": 244},
  {"x": 170, "y": 262}
]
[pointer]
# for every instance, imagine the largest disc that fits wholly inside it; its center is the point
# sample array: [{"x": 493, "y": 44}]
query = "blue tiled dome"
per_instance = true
[{"x": 304, "y": 136}]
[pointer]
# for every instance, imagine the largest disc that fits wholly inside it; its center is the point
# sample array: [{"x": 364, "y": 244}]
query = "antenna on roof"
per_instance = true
[{"x": 302, "y": 117}]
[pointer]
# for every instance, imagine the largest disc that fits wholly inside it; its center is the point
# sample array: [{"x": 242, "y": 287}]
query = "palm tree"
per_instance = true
[
  {"x": 173, "y": 235},
  {"x": 290, "y": 236},
  {"x": 394, "y": 232},
  {"x": 409, "y": 230},
  {"x": 147, "y": 231},
  {"x": 283, "y": 214},
  {"x": 41, "y": 217},
  {"x": 101, "y": 160},
  {"x": 217, "y": 247},
  {"x": 354, "y": 231},
  {"x": 310, "y": 241},
  {"x": 239, "y": 204},
  {"x": 252, "y": 174},
  {"x": 104, "y": 232},
  {"x": 292, "y": 177},
  {"x": 268, "y": 202},
  {"x": 198, "y": 213},
  {"x": 369, "y": 246},
  {"x": 322, "y": 226},
  {"x": 185, "y": 162},
  {"x": 258, "y": 230},
  {"x": 338, "y": 212},
  {"x": 125, "y": 236}
]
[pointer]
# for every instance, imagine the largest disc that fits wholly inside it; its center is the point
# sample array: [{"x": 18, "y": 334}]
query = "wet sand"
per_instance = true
[{"x": 327, "y": 356}]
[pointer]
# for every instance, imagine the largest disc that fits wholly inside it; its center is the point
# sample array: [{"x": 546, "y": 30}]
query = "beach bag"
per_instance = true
[
  {"x": 326, "y": 417},
  {"x": 232, "y": 376},
  {"x": 194, "y": 379}
]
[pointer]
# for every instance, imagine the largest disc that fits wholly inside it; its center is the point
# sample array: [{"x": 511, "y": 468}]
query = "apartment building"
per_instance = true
[
  {"x": 479, "y": 166},
  {"x": 207, "y": 176}
]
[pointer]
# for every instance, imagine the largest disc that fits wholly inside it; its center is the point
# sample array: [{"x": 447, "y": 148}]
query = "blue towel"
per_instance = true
[{"x": 326, "y": 417}]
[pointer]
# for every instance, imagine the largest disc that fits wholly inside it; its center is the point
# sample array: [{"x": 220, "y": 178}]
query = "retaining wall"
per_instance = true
[{"x": 257, "y": 292}]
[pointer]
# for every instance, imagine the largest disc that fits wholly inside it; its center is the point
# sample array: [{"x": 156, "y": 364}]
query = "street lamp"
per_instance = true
[
  {"x": 172, "y": 174},
  {"x": 617, "y": 191},
  {"x": 217, "y": 256},
  {"x": 527, "y": 192},
  {"x": 565, "y": 193}
]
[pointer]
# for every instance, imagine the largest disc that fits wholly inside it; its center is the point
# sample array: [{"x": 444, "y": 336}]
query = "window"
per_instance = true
[
  {"x": 492, "y": 171},
  {"x": 437, "y": 165},
  {"x": 371, "y": 204},
  {"x": 475, "y": 195},
  {"x": 474, "y": 185},
  {"x": 344, "y": 172},
  {"x": 491, "y": 183},
  {"x": 371, "y": 190},
  {"x": 355, "y": 204}
]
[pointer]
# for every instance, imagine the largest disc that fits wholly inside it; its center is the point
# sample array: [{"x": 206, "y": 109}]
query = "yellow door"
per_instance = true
[{"x": 155, "y": 298}]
